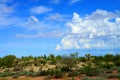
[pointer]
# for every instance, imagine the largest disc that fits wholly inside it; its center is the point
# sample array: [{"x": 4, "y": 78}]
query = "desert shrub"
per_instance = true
[
  {"x": 42, "y": 72},
  {"x": 118, "y": 75},
  {"x": 17, "y": 69},
  {"x": 6, "y": 70},
  {"x": 73, "y": 73},
  {"x": 15, "y": 76},
  {"x": 117, "y": 62},
  {"x": 119, "y": 70},
  {"x": 88, "y": 78},
  {"x": 32, "y": 74},
  {"x": 28, "y": 74},
  {"x": 31, "y": 70},
  {"x": 107, "y": 66},
  {"x": 58, "y": 74},
  {"x": 35, "y": 74},
  {"x": 89, "y": 71},
  {"x": 8, "y": 61},
  {"x": 116, "y": 68},
  {"x": 21, "y": 73},
  {"x": 6, "y": 74},
  {"x": 102, "y": 70},
  {"x": 2, "y": 75},
  {"x": 73, "y": 78},
  {"x": 108, "y": 71},
  {"x": 47, "y": 78},
  {"x": 52, "y": 72},
  {"x": 111, "y": 76},
  {"x": 82, "y": 59},
  {"x": 65, "y": 69}
]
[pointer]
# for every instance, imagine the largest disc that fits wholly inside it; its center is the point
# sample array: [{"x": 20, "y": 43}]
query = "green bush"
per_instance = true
[
  {"x": 28, "y": 74},
  {"x": 51, "y": 72},
  {"x": 108, "y": 71},
  {"x": 87, "y": 78},
  {"x": 21, "y": 73},
  {"x": 73, "y": 78},
  {"x": 113, "y": 76},
  {"x": 58, "y": 74},
  {"x": 65, "y": 69},
  {"x": 42, "y": 72},
  {"x": 35, "y": 74},
  {"x": 107, "y": 66},
  {"x": 89, "y": 71},
  {"x": 73, "y": 73},
  {"x": 15, "y": 76},
  {"x": 17, "y": 69},
  {"x": 2, "y": 75},
  {"x": 6, "y": 74},
  {"x": 118, "y": 75},
  {"x": 117, "y": 63}
]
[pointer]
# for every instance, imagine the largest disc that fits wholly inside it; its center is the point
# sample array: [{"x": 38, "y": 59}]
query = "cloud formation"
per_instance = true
[
  {"x": 101, "y": 29},
  {"x": 5, "y": 1},
  {"x": 74, "y": 1},
  {"x": 42, "y": 29},
  {"x": 6, "y": 15},
  {"x": 34, "y": 19},
  {"x": 55, "y": 17},
  {"x": 40, "y": 9},
  {"x": 55, "y": 1},
  {"x": 50, "y": 34}
]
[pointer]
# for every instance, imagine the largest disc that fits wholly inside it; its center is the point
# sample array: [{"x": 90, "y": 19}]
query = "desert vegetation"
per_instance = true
[{"x": 63, "y": 67}]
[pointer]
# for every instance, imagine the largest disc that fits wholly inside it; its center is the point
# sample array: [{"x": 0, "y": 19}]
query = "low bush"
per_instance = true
[
  {"x": 15, "y": 76},
  {"x": 35, "y": 74},
  {"x": 43, "y": 72},
  {"x": 117, "y": 62},
  {"x": 108, "y": 71},
  {"x": 21, "y": 73},
  {"x": 65, "y": 69},
  {"x": 107, "y": 66},
  {"x": 2, "y": 75},
  {"x": 58, "y": 74},
  {"x": 73, "y": 73},
  {"x": 17, "y": 69},
  {"x": 88, "y": 78},
  {"x": 47, "y": 78},
  {"x": 28, "y": 74},
  {"x": 89, "y": 71},
  {"x": 113, "y": 76},
  {"x": 6, "y": 74}
]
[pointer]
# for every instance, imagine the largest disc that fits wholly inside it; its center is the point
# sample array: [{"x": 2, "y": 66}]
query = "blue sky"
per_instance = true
[{"x": 38, "y": 27}]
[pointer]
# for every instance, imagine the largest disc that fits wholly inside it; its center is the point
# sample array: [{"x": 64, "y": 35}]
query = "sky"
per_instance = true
[{"x": 38, "y": 27}]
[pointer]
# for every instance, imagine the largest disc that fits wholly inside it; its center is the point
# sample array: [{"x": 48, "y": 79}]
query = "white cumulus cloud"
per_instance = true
[{"x": 101, "y": 29}]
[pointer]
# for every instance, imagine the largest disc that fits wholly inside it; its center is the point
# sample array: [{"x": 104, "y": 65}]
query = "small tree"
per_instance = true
[
  {"x": 8, "y": 60},
  {"x": 68, "y": 62}
]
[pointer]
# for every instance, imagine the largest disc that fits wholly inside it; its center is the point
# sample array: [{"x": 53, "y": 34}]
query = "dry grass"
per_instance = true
[{"x": 23, "y": 78}]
